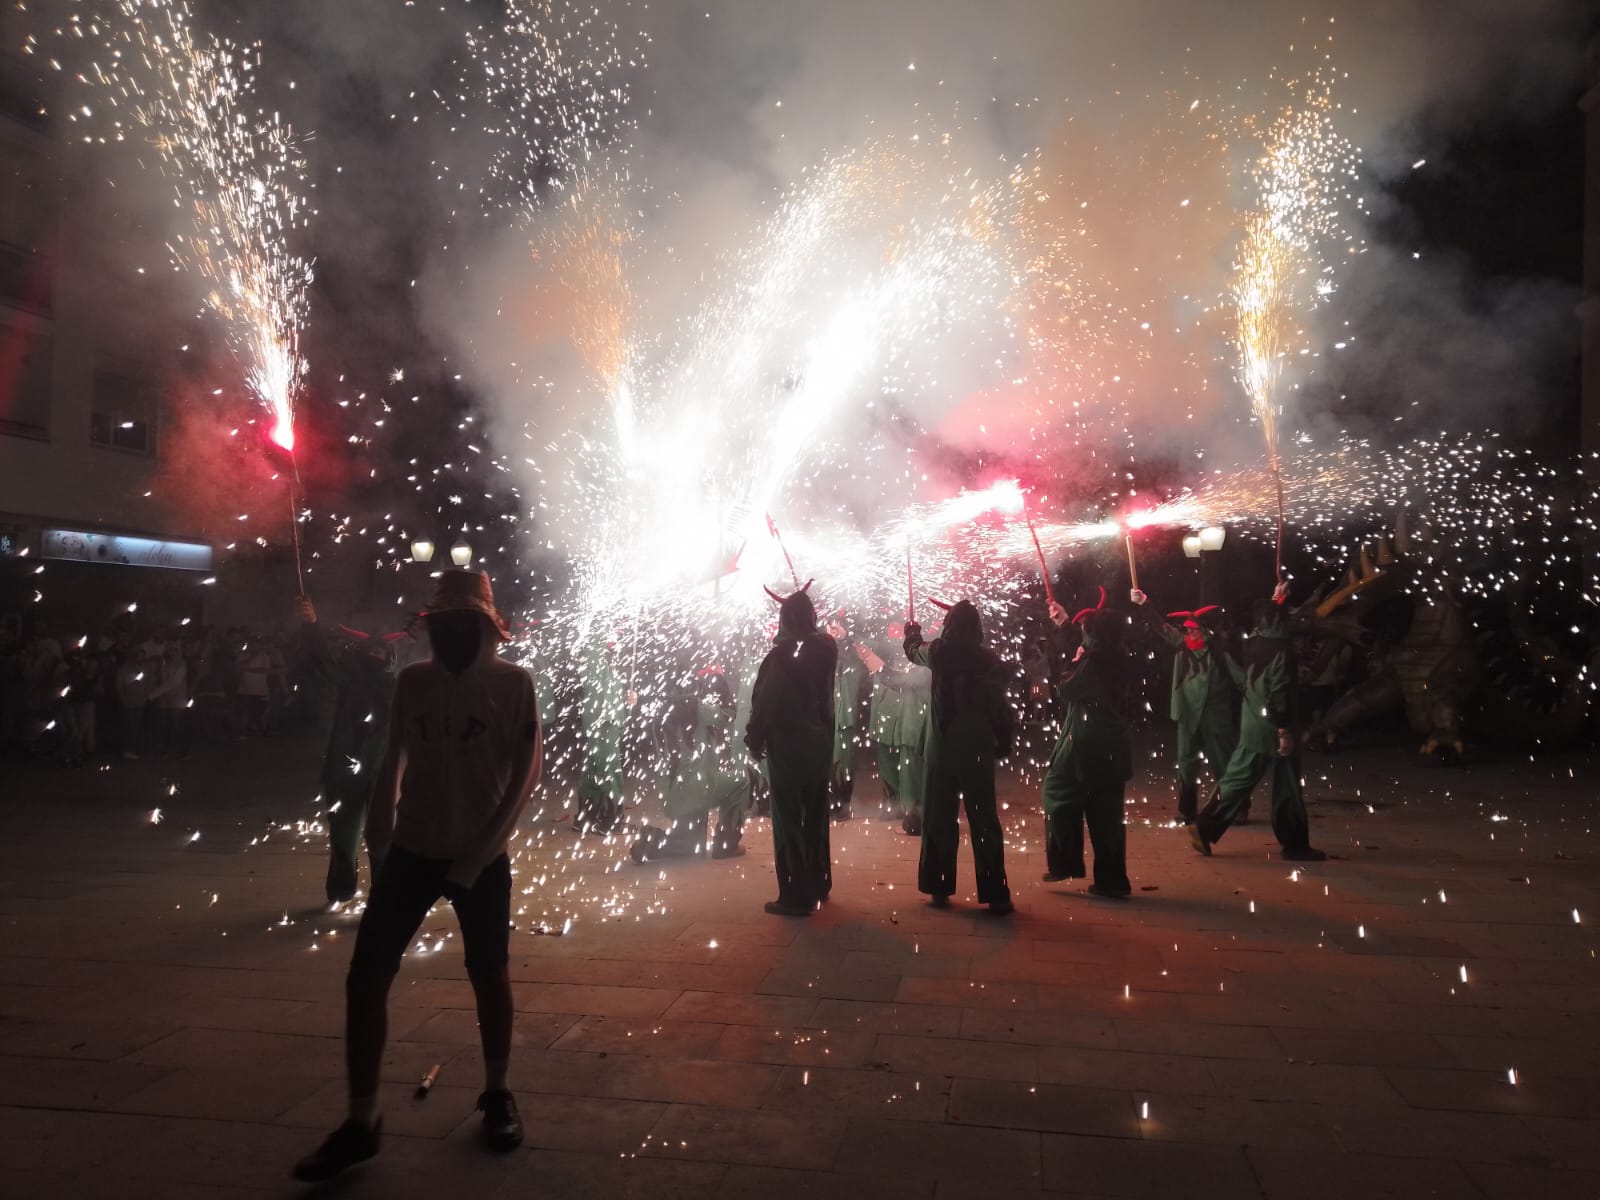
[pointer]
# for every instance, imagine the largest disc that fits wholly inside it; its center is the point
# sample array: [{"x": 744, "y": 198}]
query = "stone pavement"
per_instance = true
[{"x": 170, "y": 1006}]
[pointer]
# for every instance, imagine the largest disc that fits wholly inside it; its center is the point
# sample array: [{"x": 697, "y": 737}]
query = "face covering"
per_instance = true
[
  {"x": 1194, "y": 639},
  {"x": 455, "y": 638}
]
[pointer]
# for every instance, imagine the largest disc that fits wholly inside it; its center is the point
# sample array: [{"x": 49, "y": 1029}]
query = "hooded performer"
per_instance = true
[
  {"x": 970, "y": 730},
  {"x": 1205, "y": 703},
  {"x": 1268, "y": 740},
  {"x": 849, "y": 677},
  {"x": 1087, "y": 778},
  {"x": 605, "y": 717},
  {"x": 791, "y": 726},
  {"x": 709, "y": 779}
]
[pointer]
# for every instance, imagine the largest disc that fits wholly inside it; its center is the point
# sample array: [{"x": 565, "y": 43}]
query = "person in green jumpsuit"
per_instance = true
[
  {"x": 1086, "y": 782},
  {"x": 709, "y": 779},
  {"x": 605, "y": 716},
  {"x": 847, "y": 682},
  {"x": 1205, "y": 703},
  {"x": 902, "y": 696},
  {"x": 1268, "y": 677},
  {"x": 970, "y": 730},
  {"x": 791, "y": 727}
]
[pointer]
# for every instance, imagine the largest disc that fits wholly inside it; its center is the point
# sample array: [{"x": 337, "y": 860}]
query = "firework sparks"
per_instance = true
[{"x": 237, "y": 175}]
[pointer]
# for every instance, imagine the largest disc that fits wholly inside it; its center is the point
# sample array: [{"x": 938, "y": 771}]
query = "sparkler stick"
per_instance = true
[
  {"x": 911, "y": 589},
  {"x": 1133, "y": 567},
  {"x": 1044, "y": 571},
  {"x": 772, "y": 527}
]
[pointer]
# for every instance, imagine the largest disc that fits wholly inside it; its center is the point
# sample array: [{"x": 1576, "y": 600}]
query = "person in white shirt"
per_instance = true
[{"x": 463, "y": 753}]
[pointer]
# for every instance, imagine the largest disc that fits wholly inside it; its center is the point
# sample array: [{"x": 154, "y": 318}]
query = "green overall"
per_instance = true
[
  {"x": 1267, "y": 676},
  {"x": 605, "y": 716}
]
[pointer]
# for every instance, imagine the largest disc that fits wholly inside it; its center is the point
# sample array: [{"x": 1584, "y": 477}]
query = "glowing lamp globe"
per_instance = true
[
  {"x": 1212, "y": 537},
  {"x": 1191, "y": 545},
  {"x": 461, "y": 554},
  {"x": 422, "y": 550}
]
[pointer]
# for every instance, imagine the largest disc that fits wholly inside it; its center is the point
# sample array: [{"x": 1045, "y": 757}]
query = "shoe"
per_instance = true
[
  {"x": 783, "y": 908},
  {"x": 502, "y": 1126},
  {"x": 1244, "y": 818},
  {"x": 341, "y": 881},
  {"x": 345, "y": 1147},
  {"x": 1053, "y": 877},
  {"x": 911, "y": 824},
  {"x": 1094, "y": 889},
  {"x": 724, "y": 851},
  {"x": 1198, "y": 840},
  {"x": 1002, "y": 908},
  {"x": 939, "y": 901},
  {"x": 1305, "y": 854}
]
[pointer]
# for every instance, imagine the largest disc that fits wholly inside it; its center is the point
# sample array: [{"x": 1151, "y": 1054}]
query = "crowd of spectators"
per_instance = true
[{"x": 140, "y": 688}]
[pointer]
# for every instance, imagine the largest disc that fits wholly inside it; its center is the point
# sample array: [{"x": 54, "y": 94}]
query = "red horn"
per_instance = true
[
  {"x": 1210, "y": 608},
  {"x": 1101, "y": 603},
  {"x": 1176, "y": 615},
  {"x": 807, "y": 587},
  {"x": 355, "y": 633},
  {"x": 776, "y": 599},
  {"x": 940, "y": 604}
]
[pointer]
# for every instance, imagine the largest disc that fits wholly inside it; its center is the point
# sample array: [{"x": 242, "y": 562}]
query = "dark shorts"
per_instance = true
[{"x": 408, "y": 886}]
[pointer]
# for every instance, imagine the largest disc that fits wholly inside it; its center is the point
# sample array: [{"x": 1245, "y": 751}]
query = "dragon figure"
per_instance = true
[{"x": 1434, "y": 663}]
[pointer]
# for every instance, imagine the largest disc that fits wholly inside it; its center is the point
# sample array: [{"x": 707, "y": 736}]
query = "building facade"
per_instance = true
[{"x": 91, "y": 324}]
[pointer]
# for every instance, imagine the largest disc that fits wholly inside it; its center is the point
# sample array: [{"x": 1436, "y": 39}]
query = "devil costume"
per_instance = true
[
  {"x": 970, "y": 729},
  {"x": 1086, "y": 781},
  {"x": 1268, "y": 677},
  {"x": 791, "y": 726},
  {"x": 605, "y": 717},
  {"x": 846, "y": 733},
  {"x": 902, "y": 702},
  {"x": 709, "y": 779},
  {"x": 1205, "y": 704}
]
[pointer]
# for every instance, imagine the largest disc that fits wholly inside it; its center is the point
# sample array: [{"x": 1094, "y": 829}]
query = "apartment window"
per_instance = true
[
  {"x": 25, "y": 360},
  {"x": 124, "y": 415},
  {"x": 27, "y": 280}
]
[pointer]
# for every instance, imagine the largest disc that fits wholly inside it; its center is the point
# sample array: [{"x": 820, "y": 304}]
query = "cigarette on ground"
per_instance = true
[{"x": 428, "y": 1080}]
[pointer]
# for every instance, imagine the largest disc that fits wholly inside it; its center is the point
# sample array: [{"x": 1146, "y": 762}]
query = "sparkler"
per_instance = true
[
  {"x": 1300, "y": 176},
  {"x": 237, "y": 175},
  {"x": 911, "y": 589},
  {"x": 1044, "y": 570},
  {"x": 772, "y": 528}
]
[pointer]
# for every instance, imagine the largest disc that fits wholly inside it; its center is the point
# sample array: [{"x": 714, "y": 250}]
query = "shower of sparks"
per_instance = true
[
  {"x": 1303, "y": 178},
  {"x": 236, "y": 172}
]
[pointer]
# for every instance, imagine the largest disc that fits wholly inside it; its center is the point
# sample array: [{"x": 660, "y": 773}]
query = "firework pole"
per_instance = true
[
  {"x": 911, "y": 589},
  {"x": 1044, "y": 571},
  {"x": 772, "y": 528},
  {"x": 1133, "y": 567}
]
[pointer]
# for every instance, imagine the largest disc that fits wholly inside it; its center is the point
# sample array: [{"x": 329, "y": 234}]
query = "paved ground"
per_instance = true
[{"x": 169, "y": 1006}]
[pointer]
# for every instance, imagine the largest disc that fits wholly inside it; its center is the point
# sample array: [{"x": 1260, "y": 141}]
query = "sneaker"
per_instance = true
[
  {"x": 341, "y": 881},
  {"x": 1001, "y": 908},
  {"x": 502, "y": 1126},
  {"x": 1054, "y": 877},
  {"x": 1305, "y": 854},
  {"x": 350, "y": 1144},
  {"x": 1198, "y": 840},
  {"x": 911, "y": 824},
  {"x": 939, "y": 901},
  {"x": 781, "y": 908}
]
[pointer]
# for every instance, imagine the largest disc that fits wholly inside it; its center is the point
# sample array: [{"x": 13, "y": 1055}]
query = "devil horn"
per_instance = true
[
  {"x": 807, "y": 587},
  {"x": 776, "y": 599},
  {"x": 355, "y": 633},
  {"x": 940, "y": 604},
  {"x": 1210, "y": 608},
  {"x": 1101, "y": 603},
  {"x": 1176, "y": 615}
]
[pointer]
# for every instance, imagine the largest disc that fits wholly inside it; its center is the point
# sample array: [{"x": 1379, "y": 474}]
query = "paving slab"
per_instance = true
[{"x": 171, "y": 1008}]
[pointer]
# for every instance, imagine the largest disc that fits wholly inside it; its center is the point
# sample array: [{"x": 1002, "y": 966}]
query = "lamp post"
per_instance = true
[
  {"x": 461, "y": 553},
  {"x": 1206, "y": 545},
  {"x": 421, "y": 550}
]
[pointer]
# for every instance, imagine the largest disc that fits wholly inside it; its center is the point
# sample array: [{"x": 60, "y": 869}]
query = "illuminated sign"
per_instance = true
[{"x": 124, "y": 550}]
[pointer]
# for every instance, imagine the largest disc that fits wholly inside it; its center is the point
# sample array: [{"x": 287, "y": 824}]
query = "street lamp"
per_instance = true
[
  {"x": 421, "y": 550},
  {"x": 1191, "y": 545},
  {"x": 1212, "y": 537},
  {"x": 461, "y": 553}
]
